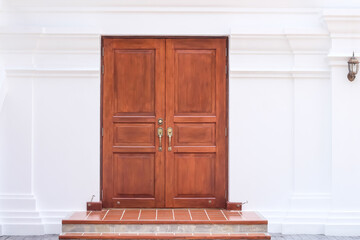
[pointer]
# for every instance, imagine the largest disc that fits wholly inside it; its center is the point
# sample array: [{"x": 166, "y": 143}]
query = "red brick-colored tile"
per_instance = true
[
  {"x": 215, "y": 215},
  {"x": 233, "y": 215},
  {"x": 198, "y": 215},
  {"x": 182, "y": 215},
  {"x": 148, "y": 214},
  {"x": 165, "y": 214},
  {"x": 131, "y": 214},
  {"x": 96, "y": 215},
  {"x": 112, "y": 218},
  {"x": 116, "y": 212}
]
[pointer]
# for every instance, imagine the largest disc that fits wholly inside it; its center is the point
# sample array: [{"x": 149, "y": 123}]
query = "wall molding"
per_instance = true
[
  {"x": 3, "y": 91},
  {"x": 175, "y": 8},
  {"x": 274, "y": 73},
  {"x": 314, "y": 222},
  {"x": 18, "y": 215},
  {"x": 53, "y": 73}
]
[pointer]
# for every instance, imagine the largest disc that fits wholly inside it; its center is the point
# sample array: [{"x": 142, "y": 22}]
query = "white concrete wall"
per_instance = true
[{"x": 294, "y": 116}]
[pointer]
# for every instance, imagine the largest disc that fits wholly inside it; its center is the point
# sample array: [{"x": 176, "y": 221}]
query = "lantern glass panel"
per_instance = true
[{"x": 351, "y": 67}]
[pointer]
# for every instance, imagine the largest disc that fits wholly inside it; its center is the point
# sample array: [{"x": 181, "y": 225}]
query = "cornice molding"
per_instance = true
[
  {"x": 288, "y": 41},
  {"x": 342, "y": 22}
]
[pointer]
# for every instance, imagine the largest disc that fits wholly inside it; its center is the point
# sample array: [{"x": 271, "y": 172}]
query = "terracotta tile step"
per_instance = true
[
  {"x": 243, "y": 236},
  {"x": 166, "y": 216}
]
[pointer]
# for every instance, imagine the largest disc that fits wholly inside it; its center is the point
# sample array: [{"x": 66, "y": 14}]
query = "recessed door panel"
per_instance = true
[
  {"x": 199, "y": 134},
  {"x": 195, "y": 174},
  {"x": 134, "y": 75},
  {"x": 127, "y": 169},
  {"x": 194, "y": 81}
]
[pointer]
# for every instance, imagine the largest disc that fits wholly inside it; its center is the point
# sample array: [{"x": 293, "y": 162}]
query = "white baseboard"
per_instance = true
[{"x": 309, "y": 222}]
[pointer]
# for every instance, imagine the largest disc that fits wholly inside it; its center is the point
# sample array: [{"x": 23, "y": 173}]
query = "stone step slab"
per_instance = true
[{"x": 165, "y": 228}]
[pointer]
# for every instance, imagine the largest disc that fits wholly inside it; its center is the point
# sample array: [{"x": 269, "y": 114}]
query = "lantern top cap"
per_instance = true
[{"x": 353, "y": 60}]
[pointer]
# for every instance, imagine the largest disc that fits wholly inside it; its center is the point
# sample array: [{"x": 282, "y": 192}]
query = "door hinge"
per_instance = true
[
  {"x": 226, "y": 52},
  {"x": 226, "y": 69},
  {"x": 102, "y": 132},
  {"x": 102, "y": 51},
  {"x": 102, "y": 69},
  {"x": 226, "y": 132},
  {"x": 102, "y": 194}
]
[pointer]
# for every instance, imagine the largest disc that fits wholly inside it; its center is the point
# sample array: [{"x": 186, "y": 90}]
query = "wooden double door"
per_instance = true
[{"x": 164, "y": 119}]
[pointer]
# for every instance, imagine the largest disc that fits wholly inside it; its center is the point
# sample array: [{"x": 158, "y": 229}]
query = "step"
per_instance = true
[
  {"x": 208, "y": 221},
  {"x": 74, "y": 236}
]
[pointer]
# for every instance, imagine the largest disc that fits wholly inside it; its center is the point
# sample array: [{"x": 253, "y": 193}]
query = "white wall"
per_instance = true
[{"x": 294, "y": 131}]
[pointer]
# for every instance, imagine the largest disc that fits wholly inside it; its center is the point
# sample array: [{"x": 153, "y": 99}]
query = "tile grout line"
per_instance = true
[
  {"x": 238, "y": 212},
  {"x": 207, "y": 214},
  {"x": 190, "y": 214},
  {"x": 224, "y": 214},
  {"x": 139, "y": 215},
  {"x": 88, "y": 215},
  {"x": 122, "y": 215},
  {"x": 105, "y": 215}
]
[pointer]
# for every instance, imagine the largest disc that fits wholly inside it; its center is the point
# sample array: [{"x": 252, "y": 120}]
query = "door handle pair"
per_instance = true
[{"x": 160, "y": 135}]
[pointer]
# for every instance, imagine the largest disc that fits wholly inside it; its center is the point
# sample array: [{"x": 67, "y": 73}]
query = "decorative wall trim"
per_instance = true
[
  {"x": 342, "y": 22},
  {"x": 287, "y": 41},
  {"x": 3, "y": 91},
  {"x": 314, "y": 222},
  {"x": 161, "y": 9},
  {"x": 18, "y": 215},
  {"x": 274, "y": 73},
  {"x": 53, "y": 73}
]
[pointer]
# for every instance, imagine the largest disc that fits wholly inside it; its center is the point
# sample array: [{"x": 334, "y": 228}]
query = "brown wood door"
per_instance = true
[
  {"x": 133, "y": 101},
  {"x": 196, "y": 110},
  {"x": 182, "y": 81}
]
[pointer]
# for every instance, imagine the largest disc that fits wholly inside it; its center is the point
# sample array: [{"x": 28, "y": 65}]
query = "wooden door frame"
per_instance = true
[{"x": 227, "y": 99}]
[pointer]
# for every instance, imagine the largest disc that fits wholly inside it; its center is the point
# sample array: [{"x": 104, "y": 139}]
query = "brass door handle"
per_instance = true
[
  {"x": 169, "y": 133},
  {"x": 160, "y": 134}
]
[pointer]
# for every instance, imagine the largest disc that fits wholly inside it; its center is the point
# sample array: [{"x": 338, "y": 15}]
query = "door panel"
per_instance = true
[
  {"x": 196, "y": 110},
  {"x": 133, "y": 90}
]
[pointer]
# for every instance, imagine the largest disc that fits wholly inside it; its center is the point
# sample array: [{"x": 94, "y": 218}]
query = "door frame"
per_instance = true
[{"x": 165, "y": 37}]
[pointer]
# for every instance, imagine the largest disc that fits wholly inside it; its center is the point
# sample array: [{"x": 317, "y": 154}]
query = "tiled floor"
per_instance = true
[{"x": 166, "y": 216}]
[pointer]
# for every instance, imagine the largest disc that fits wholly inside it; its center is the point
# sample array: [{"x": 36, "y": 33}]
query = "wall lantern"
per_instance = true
[{"x": 353, "y": 65}]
